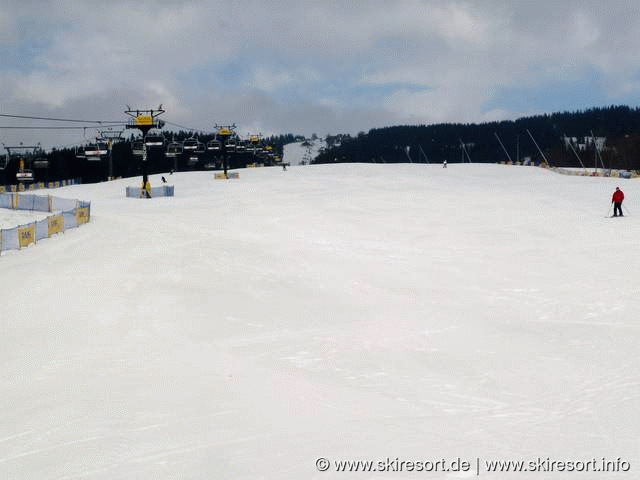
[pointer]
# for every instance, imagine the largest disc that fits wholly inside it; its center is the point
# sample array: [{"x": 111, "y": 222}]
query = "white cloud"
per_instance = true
[
  {"x": 459, "y": 22},
  {"x": 347, "y": 66},
  {"x": 270, "y": 80},
  {"x": 7, "y": 28},
  {"x": 436, "y": 105},
  {"x": 583, "y": 32}
]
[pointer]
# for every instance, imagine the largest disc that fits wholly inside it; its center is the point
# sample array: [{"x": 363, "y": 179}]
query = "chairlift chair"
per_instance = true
[
  {"x": 4, "y": 161},
  {"x": 214, "y": 145},
  {"x": 173, "y": 149},
  {"x": 40, "y": 163},
  {"x": 190, "y": 144},
  {"x": 103, "y": 147},
  {"x": 24, "y": 176},
  {"x": 255, "y": 148},
  {"x": 154, "y": 138},
  {"x": 231, "y": 144},
  {"x": 137, "y": 147},
  {"x": 200, "y": 148},
  {"x": 93, "y": 152}
]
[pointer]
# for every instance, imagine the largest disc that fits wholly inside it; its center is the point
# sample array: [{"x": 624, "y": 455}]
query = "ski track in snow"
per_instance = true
[{"x": 245, "y": 328}]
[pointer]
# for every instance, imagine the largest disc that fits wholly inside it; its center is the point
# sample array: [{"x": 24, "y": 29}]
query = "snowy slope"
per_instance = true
[
  {"x": 244, "y": 329},
  {"x": 12, "y": 218},
  {"x": 297, "y": 153}
]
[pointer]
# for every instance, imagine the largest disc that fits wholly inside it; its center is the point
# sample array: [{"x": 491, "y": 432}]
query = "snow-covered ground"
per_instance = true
[
  {"x": 243, "y": 329},
  {"x": 13, "y": 218}
]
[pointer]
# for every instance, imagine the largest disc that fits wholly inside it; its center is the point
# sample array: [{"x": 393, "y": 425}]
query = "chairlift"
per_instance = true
[
  {"x": 192, "y": 160},
  {"x": 200, "y": 148},
  {"x": 214, "y": 145},
  {"x": 137, "y": 147},
  {"x": 190, "y": 144},
  {"x": 4, "y": 161},
  {"x": 240, "y": 146},
  {"x": 255, "y": 148},
  {"x": 92, "y": 150},
  {"x": 173, "y": 149},
  {"x": 103, "y": 147},
  {"x": 40, "y": 163},
  {"x": 231, "y": 144},
  {"x": 24, "y": 176},
  {"x": 95, "y": 151},
  {"x": 154, "y": 138}
]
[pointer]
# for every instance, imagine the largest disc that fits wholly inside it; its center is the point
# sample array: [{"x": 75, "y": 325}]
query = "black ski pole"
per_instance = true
[{"x": 626, "y": 209}]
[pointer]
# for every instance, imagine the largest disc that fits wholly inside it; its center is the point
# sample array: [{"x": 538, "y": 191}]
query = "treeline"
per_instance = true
[
  {"x": 616, "y": 130},
  {"x": 563, "y": 139},
  {"x": 61, "y": 164}
]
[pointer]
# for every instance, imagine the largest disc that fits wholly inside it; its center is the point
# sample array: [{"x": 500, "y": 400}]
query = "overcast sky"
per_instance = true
[{"x": 308, "y": 67}]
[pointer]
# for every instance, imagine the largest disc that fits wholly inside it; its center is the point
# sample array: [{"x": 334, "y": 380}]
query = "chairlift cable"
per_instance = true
[
  {"x": 53, "y": 119},
  {"x": 41, "y": 127},
  {"x": 183, "y": 127},
  {"x": 6, "y": 127}
]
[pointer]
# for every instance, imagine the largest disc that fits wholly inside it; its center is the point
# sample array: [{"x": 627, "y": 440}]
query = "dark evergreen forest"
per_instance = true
[
  {"x": 62, "y": 164},
  {"x": 533, "y": 139},
  {"x": 617, "y": 126}
]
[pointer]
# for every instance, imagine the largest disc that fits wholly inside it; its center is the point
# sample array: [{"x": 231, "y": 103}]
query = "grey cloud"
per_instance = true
[{"x": 278, "y": 65}]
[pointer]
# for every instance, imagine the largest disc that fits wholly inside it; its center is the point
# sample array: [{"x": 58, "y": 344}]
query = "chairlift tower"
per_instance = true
[
  {"x": 225, "y": 132},
  {"x": 145, "y": 120}
]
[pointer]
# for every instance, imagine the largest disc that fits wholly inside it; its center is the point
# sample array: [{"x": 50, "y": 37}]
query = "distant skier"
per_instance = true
[
  {"x": 617, "y": 200},
  {"x": 164, "y": 180},
  {"x": 444, "y": 164}
]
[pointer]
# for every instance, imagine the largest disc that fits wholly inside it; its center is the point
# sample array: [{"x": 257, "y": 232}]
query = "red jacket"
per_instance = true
[{"x": 618, "y": 196}]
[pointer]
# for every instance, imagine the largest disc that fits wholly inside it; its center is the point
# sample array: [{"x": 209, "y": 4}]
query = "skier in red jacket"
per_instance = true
[{"x": 617, "y": 199}]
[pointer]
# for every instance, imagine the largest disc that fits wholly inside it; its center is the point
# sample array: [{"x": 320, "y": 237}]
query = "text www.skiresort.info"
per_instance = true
[{"x": 477, "y": 465}]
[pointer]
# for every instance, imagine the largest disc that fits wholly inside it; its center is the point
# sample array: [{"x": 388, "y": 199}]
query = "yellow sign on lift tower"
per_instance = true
[{"x": 144, "y": 120}]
